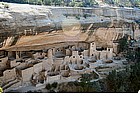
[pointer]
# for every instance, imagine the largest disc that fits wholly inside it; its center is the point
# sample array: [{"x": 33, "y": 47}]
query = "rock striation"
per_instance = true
[{"x": 103, "y": 24}]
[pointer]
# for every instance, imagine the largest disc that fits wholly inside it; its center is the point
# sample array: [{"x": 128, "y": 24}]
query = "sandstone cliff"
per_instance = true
[{"x": 31, "y": 25}]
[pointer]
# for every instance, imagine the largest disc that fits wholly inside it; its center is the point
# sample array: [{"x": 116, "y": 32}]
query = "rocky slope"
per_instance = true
[{"x": 21, "y": 25}]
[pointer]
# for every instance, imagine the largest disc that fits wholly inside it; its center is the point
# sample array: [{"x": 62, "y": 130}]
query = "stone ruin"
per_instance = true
[{"x": 51, "y": 65}]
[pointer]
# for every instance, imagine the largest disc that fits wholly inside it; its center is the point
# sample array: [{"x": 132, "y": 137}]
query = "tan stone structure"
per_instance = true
[{"x": 53, "y": 65}]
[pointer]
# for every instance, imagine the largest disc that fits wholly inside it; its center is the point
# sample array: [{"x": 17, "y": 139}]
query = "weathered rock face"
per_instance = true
[{"x": 28, "y": 25}]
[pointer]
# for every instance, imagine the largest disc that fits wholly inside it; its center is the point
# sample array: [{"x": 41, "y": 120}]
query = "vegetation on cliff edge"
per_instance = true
[{"x": 79, "y": 3}]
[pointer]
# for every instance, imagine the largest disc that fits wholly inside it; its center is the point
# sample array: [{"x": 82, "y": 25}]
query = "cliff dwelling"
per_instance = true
[{"x": 43, "y": 45}]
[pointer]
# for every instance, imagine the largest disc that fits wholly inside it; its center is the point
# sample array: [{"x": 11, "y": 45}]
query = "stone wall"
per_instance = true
[
  {"x": 3, "y": 62},
  {"x": 68, "y": 52},
  {"x": 37, "y": 67},
  {"x": 66, "y": 60},
  {"x": 51, "y": 79},
  {"x": 27, "y": 74},
  {"x": 50, "y": 55},
  {"x": 9, "y": 75},
  {"x": 47, "y": 64},
  {"x": 13, "y": 63},
  {"x": 58, "y": 61},
  {"x": 103, "y": 55},
  {"x": 86, "y": 53},
  {"x": 109, "y": 53}
]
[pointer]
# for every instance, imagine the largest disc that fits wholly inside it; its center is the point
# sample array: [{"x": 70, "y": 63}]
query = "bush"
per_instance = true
[
  {"x": 123, "y": 43},
  {"x": 54, "y": 85},
  {"x": 48, "y": 86},
  {"x": 72, "y": 4}
]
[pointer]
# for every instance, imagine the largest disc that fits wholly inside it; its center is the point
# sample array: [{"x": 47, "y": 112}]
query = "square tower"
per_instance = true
[{"x": 92, "y": 48}]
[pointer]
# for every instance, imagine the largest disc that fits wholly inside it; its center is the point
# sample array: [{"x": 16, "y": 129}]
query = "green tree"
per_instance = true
[
  {"x": 112, "y": 81},
  {"x": 127, "y": 80},
  {"x": 45, "y": 2},
  {"x": 123, "y": 43}
]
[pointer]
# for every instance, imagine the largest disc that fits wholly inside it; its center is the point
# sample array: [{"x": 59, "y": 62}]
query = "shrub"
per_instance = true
[
  {"x": 48, "y": 86},
  {"x": 54, "y": 84},
  {"x": 123, "y": 43}
]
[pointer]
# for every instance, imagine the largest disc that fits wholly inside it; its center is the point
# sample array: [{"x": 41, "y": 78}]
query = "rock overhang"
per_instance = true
[{"x": 19, "y": 20}]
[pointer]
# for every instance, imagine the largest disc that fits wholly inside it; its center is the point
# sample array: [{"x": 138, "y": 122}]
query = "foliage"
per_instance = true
[
  {"x": 54, "y": 85},
  {"x": 78, "y": 3},
  {"x": 51, "y": 87},
  {"x": 1, "y": 90},
  {"x": 130, "y": 55},
  {"x": 122, "y": 3},
  {"x": 123, "y": 43},
  {"x": 133, "y": 55},
  {"x": 47, "y": 2},
  {"x": 48, "y": 86},
  {"x": 124, "y": 81}
]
